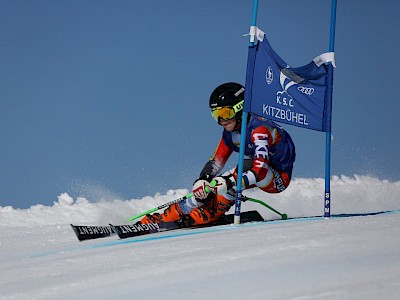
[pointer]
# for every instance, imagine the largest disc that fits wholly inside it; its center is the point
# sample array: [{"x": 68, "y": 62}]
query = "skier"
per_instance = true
[{"x": 268, "y": 164}]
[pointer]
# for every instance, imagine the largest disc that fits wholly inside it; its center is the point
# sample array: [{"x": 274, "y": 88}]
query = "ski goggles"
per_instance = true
[{"x": 226, "y": 112}]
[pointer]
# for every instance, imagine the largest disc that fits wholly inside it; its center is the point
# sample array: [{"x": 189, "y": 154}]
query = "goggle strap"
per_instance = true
[{"x": 238, "y": 107}]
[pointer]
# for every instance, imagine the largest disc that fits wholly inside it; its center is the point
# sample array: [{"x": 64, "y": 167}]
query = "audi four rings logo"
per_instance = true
[{"x": 306, "y": 90}]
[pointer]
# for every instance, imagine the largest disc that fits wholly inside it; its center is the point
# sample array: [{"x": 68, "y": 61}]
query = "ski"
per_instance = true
[
  {"x": 131, "y": 230},
  {"x": 92, "y": 232},
  {"x": 127, "y": 231}
]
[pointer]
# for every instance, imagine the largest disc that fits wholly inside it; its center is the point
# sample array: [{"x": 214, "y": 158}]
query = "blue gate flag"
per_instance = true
[{"x": 297, "y": 96}]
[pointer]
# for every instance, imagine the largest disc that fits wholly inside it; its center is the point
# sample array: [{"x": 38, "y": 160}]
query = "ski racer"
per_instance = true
[{"x": 268, "y": 164}]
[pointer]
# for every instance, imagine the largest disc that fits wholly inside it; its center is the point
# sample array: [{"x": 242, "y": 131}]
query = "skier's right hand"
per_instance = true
[{"x": 200, "y": 189}]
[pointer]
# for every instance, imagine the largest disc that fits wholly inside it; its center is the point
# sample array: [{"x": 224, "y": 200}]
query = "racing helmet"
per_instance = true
[{"x": 226, "y": 101}]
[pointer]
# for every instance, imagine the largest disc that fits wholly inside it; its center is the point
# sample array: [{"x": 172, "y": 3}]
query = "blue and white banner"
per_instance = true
[{"x": 297, "y": 96}]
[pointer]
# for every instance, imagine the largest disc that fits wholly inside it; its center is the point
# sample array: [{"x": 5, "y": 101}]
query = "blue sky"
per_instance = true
[{"x": 109, "y": 99}]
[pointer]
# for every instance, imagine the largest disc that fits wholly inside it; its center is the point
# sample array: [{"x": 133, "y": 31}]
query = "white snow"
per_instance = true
[{"x": 339, "y": 258}]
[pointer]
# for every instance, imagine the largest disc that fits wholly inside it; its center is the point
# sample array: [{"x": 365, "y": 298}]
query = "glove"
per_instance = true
[
  {"x": 199, "y": 189},
  {"x": 222, "y": 184}
]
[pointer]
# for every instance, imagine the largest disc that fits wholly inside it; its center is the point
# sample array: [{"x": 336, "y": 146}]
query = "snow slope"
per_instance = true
[{"x": 339, "y": 258}]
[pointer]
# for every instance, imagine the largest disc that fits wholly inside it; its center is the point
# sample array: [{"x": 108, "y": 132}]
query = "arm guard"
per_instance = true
[{"x": 210, "y": 170}]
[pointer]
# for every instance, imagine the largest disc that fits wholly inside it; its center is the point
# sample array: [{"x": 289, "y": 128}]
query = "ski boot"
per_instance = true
[
  {"x": 171, "y": 214},
  {"x": 210, "y": 212}
]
